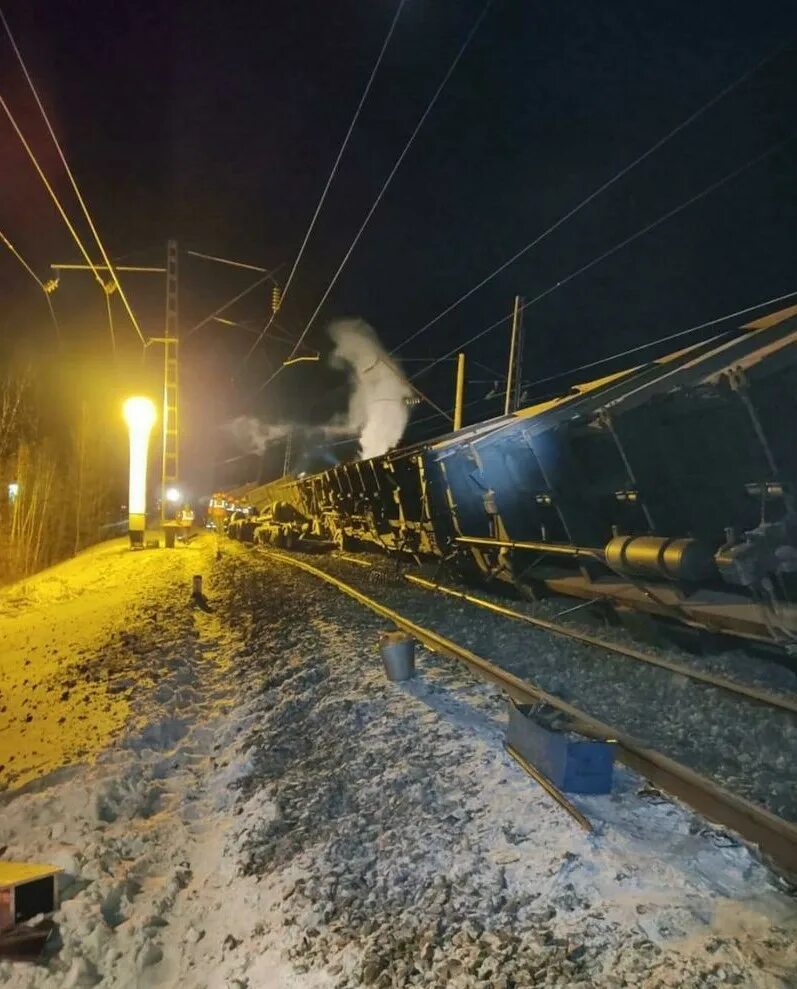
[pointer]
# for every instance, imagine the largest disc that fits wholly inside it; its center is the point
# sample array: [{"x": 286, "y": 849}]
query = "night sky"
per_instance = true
[{"x": 217, "y": 124}]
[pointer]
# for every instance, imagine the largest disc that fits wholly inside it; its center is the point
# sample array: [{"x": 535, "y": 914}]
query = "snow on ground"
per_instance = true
[
  {"x": 267, "y": 811},
  {"x": 69, "y": 654}
]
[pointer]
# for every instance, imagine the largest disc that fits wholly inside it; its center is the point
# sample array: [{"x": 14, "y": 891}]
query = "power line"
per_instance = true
[
  {"x": 334, "y": 170},
  {"x": 235, "y": 264},
  {"x": 425, "y": 360},
  {"x": 495, "y": 396},
  {"x": 671, "y": 336},
  {"x": 623, "y": 243},
  {"x": 50, "y": 190},
  {"x": 397, "y": 165},
  {"x": 141, "y": 269},
  {"x": 285, "y": 337},
  {"x": 22, "y": 261},
  {"x": 71, "y": 177},
  {"x": 288, "y": 337},
  {"x": 38, "y": 281},
  {"x": 217, "y": 312},
  {"x": 597, "y": 192},
  {"x": 633, "y": 350},
  {"x": 57, "y": 202}
]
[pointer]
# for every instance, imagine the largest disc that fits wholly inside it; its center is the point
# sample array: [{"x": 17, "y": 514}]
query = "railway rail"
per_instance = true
[
  {"x": 786, "y": 701},
  {"x": 768, "y": 697},
  {"x": 774, "y": 835}
]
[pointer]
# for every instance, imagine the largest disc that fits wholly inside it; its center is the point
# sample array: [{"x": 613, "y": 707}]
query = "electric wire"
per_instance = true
[
  {"x": 38, "y": 281},
  {"x": 525, "y": 385},
  {"x": 51, "y": 191},
  {"x": 141, "y": 269},
  {"x": 22, "y": 261},
  {"x": 138, "y": 251},
  {"x": 599, "y": 190},
  {"x": 230, "y": 302},
  {"x": 334, "y": 169},
  {"x": 72, "y": 181},
  {"x": 425, "y": 360},
  {"x": 236, "y": 264},
  {"x": 728, "y": 177},
  {"x": 288, "y": 337},
  {"x": 671, "y": 336},
  {"x": 386, "y": 184},
  {"x": 55, "y": 199}
]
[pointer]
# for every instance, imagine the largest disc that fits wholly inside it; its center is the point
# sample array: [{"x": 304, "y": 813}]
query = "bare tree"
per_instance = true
[{"x": 54, "y": 474}]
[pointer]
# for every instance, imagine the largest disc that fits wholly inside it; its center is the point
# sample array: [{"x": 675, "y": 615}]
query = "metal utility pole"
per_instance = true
[
  {"x": 286, "y": 464},
  {"x": 170, "y": 465},
  {"x": 513, "y": 370},
  {"x": 171, "y": 441},
  {"x": 460, "y": 392}
]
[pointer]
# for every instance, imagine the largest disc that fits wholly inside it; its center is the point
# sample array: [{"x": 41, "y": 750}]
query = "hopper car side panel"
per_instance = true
[{"x": 689, "y": 462}]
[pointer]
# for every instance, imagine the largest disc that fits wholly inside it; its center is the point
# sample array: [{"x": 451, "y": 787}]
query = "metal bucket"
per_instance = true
[{"x": 398, "y": 655}]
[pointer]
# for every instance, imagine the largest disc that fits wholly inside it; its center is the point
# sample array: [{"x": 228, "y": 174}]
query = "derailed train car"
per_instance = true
[{"x": 664, "y": 491}]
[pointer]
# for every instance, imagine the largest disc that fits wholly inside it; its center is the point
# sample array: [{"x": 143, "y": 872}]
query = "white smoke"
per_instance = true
[
  {"x": 378, "y": 408},
  {"x": 253, "y": 435}
]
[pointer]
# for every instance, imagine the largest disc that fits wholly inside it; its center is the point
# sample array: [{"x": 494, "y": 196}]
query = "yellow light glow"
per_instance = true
[
  {"x": 172, "y": 495},
  {"x": 140, "y": 417},
  {"x": 298, "y": 360}
]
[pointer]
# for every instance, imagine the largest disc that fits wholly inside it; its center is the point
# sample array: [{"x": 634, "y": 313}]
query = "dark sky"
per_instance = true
[{"x": 217, "y": 124}]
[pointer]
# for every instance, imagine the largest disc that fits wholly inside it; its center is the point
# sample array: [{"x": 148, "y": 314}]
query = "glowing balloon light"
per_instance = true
[{"x": 140, "y": 417}]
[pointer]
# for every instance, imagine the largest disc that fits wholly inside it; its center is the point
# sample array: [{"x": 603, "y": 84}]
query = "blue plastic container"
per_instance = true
[{"x": 581, "y": 765}]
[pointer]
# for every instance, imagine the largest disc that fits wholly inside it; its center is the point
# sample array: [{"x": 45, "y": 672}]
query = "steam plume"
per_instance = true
[
  {"x": 378, "y": 409},
  {"x": 377, "y": 413},
  {"x": 253, "y": 435}
]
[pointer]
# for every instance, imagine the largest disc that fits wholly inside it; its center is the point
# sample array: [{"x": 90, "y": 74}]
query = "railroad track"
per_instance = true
[
  {"x": 750, "y": 692},
  {"x": 767, "y": 697},
  {"x": 775, "y": 836}
]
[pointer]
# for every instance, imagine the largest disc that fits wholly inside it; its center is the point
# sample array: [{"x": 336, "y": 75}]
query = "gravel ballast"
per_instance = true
[
  {"x": 419, "y": 853},
  {"x": 748, "y": 748}
]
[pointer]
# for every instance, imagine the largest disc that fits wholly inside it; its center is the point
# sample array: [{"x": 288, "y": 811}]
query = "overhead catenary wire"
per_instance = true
[
  {"x": 485, "y": 367},
  {"x": 498, "y": 395},
  {"x": 632, "y": 350},
  {"x": 386, "y": 184},
  {"x": 728, "y": 177},
  {"x": 140, "y": 269},
  {"x": 333, "y": 171},
  {"x": 73, "y": 182},
  {"x": 598, "y": 191},
  {"x": 48, "y": 186},
  {"x": 50, "y": 190},
  {"x": 286, "y": 337},
  {"x": 230, "y": 302},
  {"x": 671, "y": 336},
  {"x": 38, "y": 281},
  {"x": 236, "y": 264},
  {"x": 421, "y": 395}
]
